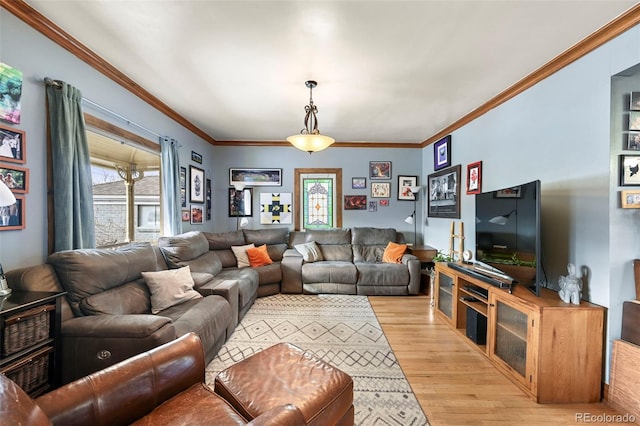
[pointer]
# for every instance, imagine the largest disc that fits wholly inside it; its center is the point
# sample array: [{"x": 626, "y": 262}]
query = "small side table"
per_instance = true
[
  {"x": 30, "y": 339},
  {"x": 426, "y": 255}
]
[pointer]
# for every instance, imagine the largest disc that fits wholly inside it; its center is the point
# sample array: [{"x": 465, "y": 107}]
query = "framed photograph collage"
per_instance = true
[
  {"x": 14, "y": 177},
  {"x": 629, "y": 162}
]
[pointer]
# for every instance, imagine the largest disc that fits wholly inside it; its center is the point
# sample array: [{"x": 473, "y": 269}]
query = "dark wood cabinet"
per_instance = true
[{"x": 29, "y": 339}]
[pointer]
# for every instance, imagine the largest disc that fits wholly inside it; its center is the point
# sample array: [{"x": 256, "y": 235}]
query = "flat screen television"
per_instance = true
[{"x": 508, "y": 233}]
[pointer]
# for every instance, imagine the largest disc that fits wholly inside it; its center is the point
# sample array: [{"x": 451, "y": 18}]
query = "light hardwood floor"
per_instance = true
[{"x": 455, "y": 383}]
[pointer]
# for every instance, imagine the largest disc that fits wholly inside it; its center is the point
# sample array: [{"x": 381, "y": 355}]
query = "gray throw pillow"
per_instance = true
[
  {"x": 310, "y": 251},
  {"x": 169, "y": 288}
]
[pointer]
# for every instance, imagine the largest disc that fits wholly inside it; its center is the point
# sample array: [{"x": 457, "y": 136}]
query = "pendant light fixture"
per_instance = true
[{"x": 310, "y": 139}]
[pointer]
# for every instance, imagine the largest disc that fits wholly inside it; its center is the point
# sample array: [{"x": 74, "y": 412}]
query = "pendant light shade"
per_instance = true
[{"x": 309, "y": 139}]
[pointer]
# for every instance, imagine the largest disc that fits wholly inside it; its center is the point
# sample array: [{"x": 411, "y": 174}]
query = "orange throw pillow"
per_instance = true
[
  {"x": 393, "y": 253},
  {"x": 259, "y": 256}
]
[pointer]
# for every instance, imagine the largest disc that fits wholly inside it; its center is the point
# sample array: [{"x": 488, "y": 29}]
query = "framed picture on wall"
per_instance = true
[
  {"x": 630, "y": 199},
  {"x": 255, "y": 177},
  {"x": 634, "y": 104},
  {"x": 444, "y": 193},
  {"x": 355, "y": 202},
  {"x": 442, "y": 153},
  {"x": 240, "y": 202},
  {"x": 380, "y": 170},
  {"x": 16, "y": 178},
  {"x": 12, "y": 217},
  {"x": 474, "y": 178},
  {"x": 196, "y": 192},
  {"x": 12, "y": 145},
  {"x": 197, "y": 215},
  {"x": 630, "y": 170},
  {"x": 358, "y": 183},
  {"x": 183, "y": 187},
  {"x": 404, "y": 187},
  {"x": 380, "y": 189}
]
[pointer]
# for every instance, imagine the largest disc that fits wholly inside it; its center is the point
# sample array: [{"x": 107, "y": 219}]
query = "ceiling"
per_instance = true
[{"x": 387, "y": 71}]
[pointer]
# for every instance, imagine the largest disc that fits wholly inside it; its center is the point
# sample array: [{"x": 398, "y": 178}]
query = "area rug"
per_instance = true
[{"x": 343, "y": 331}]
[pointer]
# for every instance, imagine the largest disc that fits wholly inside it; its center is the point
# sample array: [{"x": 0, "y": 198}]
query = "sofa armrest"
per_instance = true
[
  {"x": 291, "y": 266},
  {"x": 95, "y": 342},
  {"x": 130, "y": 389},
  {"x": 282, "y": 415},
  {"x": 229, "y": 290},
  {"x": 414, "y": 266}
]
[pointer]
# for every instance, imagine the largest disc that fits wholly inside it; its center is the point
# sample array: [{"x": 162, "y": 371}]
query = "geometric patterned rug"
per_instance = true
[{"x": 343, "y": 331}]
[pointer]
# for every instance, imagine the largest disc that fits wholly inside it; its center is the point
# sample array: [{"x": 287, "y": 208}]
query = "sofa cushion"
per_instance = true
[
  {"x": 329, "y": 272},
  {"x": 169, "y": 288},
  {"x": 85, "y": 272},
  {"x": 382, "y": 274},
  {"x": 130, "y": 298},
  {"x": 269, "y": 236},
  {"x": 369, "y": 243},
  {"x": 240, "y": 252},
  {"x": 393, "y": 252},
  {"x": 179, "y": 248},
  {"x": 310, "y": 251},
  {"x": 224, "y": 240},
  {"x": 259, "y": 256}
]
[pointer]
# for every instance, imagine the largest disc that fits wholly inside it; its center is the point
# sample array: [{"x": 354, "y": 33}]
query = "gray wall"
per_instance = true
[{"x": 354, "y": 162}]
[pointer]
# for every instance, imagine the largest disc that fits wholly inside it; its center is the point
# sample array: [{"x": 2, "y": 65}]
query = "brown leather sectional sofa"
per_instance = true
[{"x": 106, "y": 315}]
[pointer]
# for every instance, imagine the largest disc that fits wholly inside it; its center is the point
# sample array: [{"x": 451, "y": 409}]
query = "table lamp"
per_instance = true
[{"x": 6, "y": 199}]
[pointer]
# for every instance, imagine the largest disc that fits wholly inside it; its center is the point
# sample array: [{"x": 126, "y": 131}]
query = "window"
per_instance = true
[{"x": 126, "y": 186}]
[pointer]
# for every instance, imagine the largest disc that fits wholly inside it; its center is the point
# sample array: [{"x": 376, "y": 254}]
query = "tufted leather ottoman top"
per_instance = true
[{"x": 285, "y": 374}]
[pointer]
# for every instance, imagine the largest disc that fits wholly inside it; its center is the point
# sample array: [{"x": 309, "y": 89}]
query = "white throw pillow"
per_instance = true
[
  {"x": 310, "y": 251},
  {"x": 170, "y": 287},
  {"x": 241, "y": 255}
]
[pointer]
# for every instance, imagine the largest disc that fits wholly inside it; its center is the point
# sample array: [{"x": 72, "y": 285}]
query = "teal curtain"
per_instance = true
[
  {"x": 171, "y": 206},
  {"x": 72, "y": 190}
]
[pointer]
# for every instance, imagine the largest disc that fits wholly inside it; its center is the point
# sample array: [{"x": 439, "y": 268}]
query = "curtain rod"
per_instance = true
[{"x": 57, "y": 83}]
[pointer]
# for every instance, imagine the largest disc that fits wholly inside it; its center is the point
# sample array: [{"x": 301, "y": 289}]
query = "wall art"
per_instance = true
[
  {"x": 404, "y": 187},
  {"x": 183, "y": 187},
  {"x": 630, "y": 199},
  {"x": 444, "y": 193},
  {"x": 380, "y": 170},
  {"x": 275, "y": 208},
  {"x": 373, "y": 206},
  {"x": 442, "y": 153},
  {"x": 16, "y": 179},
  {"x": 355, "y": 202},
  {"x": 474, "y": 178},
  {"x": 12, "y": 145},
  {"x": 186, "y": 215},
  {"x": 380, "y": 189},
  {"x": 240, "y": 202},
  {"x": 197, "y": 215},
  {"x": 255, "y": 177},
  {"x": 630, "y": 170},
  {"x": 208, "y": 199},
  {"x": 358, "y": 183},
  {"x": 13, "y": 217},
  {"x": 10, "y": 93},
  {"x": 196, "y": 177},
  {"x": 195, "y": 157}
]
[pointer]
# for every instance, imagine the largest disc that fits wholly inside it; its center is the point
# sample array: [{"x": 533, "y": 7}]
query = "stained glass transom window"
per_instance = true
[{"x": 318, "y": 203}]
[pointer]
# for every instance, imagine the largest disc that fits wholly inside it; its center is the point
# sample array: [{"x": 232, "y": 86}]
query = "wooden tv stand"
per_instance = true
[{"x": 552, "y": 350}]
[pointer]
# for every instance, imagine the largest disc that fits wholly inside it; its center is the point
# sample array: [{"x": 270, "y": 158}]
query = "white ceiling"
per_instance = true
[{"x": 387, "y": 71}]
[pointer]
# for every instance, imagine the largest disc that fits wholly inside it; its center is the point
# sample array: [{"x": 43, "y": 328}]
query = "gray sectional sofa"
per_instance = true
[{"x": 109, "y": 312}]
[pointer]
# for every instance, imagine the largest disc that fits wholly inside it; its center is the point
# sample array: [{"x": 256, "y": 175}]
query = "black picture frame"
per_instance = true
[
  {"x": 404, "y": 184},
  {"x": 208, "y": 199},
  {"x": 355, "y": 202},
  {"x": 358, "y": 183},
  {"x": 630, "y": 170},
  {"x": 240, "y": 202},
  {"x": 196, "y": 186},
  {"x": 183, "y": 187},
  {"x": 442, "y": 153},
  {"x": 444, "y": 193},
  {"x": 379, "y": 170},
  {"x": 196, "y": 158},
  {"x": 255, "y": 177}
]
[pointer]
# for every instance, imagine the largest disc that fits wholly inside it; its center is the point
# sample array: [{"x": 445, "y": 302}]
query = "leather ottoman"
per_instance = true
[{"x": 285, "y": 374}]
